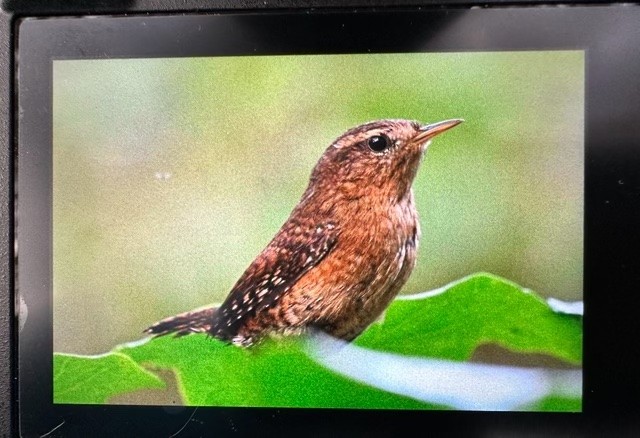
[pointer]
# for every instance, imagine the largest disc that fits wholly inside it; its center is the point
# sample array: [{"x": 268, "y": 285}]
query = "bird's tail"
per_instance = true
[{"x": 195, "y": 321}]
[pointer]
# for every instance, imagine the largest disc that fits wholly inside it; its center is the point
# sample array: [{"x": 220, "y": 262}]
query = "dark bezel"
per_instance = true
[{"x": 612, "y": 199}]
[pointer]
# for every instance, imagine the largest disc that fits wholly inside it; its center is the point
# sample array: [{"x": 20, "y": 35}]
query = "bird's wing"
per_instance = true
[{"x": 296, "y": 249}]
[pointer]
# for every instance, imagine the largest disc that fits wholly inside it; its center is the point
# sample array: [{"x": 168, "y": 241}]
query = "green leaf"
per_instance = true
[
  {"x": 450, "y": 324},
  {"x": 94, "y": 379},
  {"x": 479, "y": 309},
  {"x": 277, "y": 374},
  {"x": 555, "y": 404}
]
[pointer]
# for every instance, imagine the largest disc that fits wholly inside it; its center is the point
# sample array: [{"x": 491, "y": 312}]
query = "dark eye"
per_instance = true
[{"x": 379, "y": 143}]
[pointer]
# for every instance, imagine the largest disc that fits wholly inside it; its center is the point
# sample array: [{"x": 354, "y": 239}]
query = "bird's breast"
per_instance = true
[{"x": 373, "y": 257}]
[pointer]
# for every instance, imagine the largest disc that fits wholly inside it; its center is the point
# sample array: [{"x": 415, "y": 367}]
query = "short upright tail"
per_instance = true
[{"x": 195, "y": 321}]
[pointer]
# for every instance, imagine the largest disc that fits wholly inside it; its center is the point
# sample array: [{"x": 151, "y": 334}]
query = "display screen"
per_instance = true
[
  {"x": 288, "y": 217},
  {"x": 171, "y": 175}
]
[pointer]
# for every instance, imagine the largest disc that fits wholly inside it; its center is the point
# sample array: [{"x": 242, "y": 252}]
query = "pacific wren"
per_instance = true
[{"x": 344, "y": 253}]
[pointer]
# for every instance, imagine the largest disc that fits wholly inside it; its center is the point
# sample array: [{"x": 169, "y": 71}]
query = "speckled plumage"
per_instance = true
[{"x": 344, "y": 253}]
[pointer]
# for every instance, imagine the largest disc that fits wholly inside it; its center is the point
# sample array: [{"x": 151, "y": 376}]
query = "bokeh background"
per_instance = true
[{"x": 171, "y": 175}]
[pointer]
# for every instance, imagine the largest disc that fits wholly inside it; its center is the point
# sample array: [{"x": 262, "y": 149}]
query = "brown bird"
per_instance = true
[{"x": 344, "y": 253}]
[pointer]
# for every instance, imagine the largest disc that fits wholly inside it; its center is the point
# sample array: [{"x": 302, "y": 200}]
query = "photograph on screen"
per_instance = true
[{"x": 369, "y": 231}]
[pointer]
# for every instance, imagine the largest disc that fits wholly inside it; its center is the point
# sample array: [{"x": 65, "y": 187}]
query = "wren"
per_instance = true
[{"x": 343, "y": 254}]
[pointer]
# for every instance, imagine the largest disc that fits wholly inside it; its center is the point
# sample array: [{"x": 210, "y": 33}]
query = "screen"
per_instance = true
[
  {"x": 233, "y": 222},
  {"x": 170, "y": 175}
]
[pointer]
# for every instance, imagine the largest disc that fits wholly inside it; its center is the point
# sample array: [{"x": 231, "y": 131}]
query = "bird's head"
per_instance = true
[{"x": 380, "y": 157}]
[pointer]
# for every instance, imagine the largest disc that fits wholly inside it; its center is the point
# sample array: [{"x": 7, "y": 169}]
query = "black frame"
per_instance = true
[{"x": 611, "y": 265}]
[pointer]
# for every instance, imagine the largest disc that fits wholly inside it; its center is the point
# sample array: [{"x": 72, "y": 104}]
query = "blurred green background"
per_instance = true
[{"x": 171, "y": 175}]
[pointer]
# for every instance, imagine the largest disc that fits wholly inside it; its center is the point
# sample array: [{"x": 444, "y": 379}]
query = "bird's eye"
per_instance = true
[{"x": 379, "y": 143}]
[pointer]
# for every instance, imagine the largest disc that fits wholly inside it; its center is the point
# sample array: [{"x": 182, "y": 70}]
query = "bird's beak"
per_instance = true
[{"x": 427, "y": 132}]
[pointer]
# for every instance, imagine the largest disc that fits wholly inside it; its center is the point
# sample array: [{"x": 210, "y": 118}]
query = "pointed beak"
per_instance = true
[{"x": 427, "y": 132}]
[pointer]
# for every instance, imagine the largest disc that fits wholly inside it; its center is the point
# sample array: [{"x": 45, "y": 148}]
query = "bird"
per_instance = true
[{"x": 345, "y": 251}]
